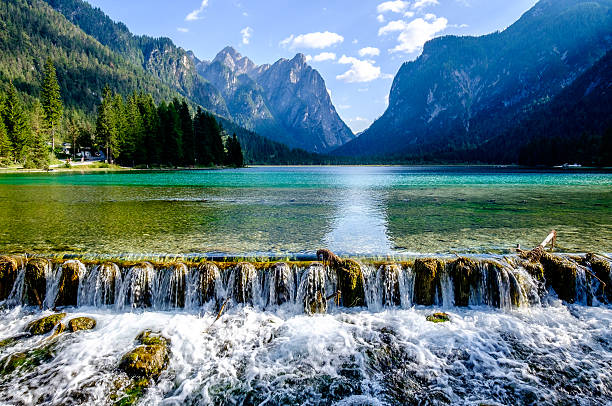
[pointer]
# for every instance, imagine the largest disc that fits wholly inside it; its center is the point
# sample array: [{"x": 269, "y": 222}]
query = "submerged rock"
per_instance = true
[
  {"x": 466, "y": 277},
  {"x": 149, "y": 359},
  {"x": 244, "y": 280},
  {"x": 45, "y": 325},
  {"x": 9, "y": 267},
  {"x": 280, "y": 289},
  {"x": 68, "y": 289},
  {"x": 35, "y": 283},
  {"x": 81, "y": 323},
  {"x": 560, "y": 274},
  {"x": 27, "y": 360},
  {"x": 601, "y": 269},
  {"x": 427, "y": 281},
  {"x": 208, "y": 275},
  {"x": 440, "y": 317}
]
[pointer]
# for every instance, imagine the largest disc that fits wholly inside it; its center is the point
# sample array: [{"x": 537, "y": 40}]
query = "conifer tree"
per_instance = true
[
  {"x": 106, "y": 131},
  {"x": 16, "y": 125},
  {"x": 188, "y": 134},
  {"x": 6, "y": 149},
  {"x": 38, "y": 151},
  {"x": 51, "y": 100}
]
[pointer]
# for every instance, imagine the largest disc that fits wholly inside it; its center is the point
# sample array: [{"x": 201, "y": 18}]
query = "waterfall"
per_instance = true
[{"x": 499, "y": 282}]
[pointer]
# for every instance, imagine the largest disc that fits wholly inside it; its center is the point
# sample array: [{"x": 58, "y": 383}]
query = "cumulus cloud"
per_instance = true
[
  {"x": 324, "y": 56},
  {"x": 413, "y": 35},
  {"x": 361, "y": 70},
  {"x": 197, "y": 13},
  {"x": 369, "y": 51},
  {"x": 419, "y": 4},
  {"x": 395, "y": 6},
  {"x": 246, "y": 32},
  {"x": 380, "y": 18},
  {"x": 181, "y": 29},
  {"x": 313, "y": 40}
]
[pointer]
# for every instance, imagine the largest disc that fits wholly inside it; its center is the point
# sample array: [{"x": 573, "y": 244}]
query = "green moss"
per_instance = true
[
  {"x": 81, "y": 323},
  {"x": 45, "y": 325},
  {"x": 560, "y": 274},
  {"x": 148, "y": 337},
  {"x": 466, "y": 277},
  {"x": 601, "y": 269},
  {"x": 350, "y": 283},
  {"x": 7, "y": 342},
  {"x": 438, "y": 318},
  {"x": 146, "y": 361},
  {"x": 132, "y": 392},
  {"x": 427, "y": 280},
  {"x": 26, "y": 361}
]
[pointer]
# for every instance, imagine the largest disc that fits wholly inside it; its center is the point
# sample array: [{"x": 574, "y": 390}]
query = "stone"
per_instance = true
[
  {"x": 149, "y": 359},
  {"x": 35, "y": 283},
  {"x": 438, "y": 317},
  {"x": 45, "y": 325},
  {"x": 81, "y": 323},
  {"x": 9, "y": 267},
  {"x": 208, "y": 276},
  {"x": 427, "y": 281},
  {"x": 68, "y": 290}
]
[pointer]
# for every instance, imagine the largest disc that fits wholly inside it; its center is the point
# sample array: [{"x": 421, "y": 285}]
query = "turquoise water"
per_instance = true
[{"x": 285, "y": 210}]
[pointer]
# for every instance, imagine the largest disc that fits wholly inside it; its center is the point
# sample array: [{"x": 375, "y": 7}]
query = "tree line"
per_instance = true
[{"x": 136, "y": 132}]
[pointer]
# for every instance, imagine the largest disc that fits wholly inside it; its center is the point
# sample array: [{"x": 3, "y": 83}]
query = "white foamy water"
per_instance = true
[{"x": 541, "y": 355}]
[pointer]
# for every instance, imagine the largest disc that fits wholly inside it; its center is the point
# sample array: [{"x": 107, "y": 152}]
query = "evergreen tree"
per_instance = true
[
  {"x": 188, "y": 134},
  {"x": 106, "y": 131},
  {"x": 16, "y": 124},
  {"x": 51, "y": 100},
  {"x": 233, "y": 156},
  {"x": 203, "y": 155},
  {"x": 38, "y": 151},
  {"x": 147, "y": 151},
  {"x": 6, "y": 149}
]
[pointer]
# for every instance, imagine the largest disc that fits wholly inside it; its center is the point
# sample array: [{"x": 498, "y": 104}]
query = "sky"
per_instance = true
[{"x": 357, "y": 45}]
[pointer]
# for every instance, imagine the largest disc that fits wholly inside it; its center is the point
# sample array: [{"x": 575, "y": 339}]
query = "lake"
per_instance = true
[{"x": 364, "y": 211}]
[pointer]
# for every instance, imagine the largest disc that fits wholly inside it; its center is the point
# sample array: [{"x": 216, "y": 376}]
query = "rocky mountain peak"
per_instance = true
[{"x": 234, "y": 61}]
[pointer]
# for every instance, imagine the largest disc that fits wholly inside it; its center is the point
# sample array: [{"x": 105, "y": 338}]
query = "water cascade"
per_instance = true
[{"x": 461, "y": 330}]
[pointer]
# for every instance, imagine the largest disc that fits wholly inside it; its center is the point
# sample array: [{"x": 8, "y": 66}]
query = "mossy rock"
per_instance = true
[
  {"x": 8, "y": 342},
  {"x": 45, "y": 325},
  {"x": 601, "y": 269},
  {"x": 68, "y": 290},
  {"x": 178, "y": 284},
  {"x": 466, "y": 277},
  {"x": 9, "y": 267},
  {"x": 81, "y": 323},
  {"x": 145, "y": 361},
  {"x": 35, "y": 283},
  {"x": 209, "y": 274},
  {"x": 142, "y": 295},
  {"x": 149, "y": 337},
  {"x": 561, "y": 275},
  {"x": 438, "y": 318},
  {"x": 389, "y": 276},
  {"x": 282, "y": 277},
  {"x": 350, "y": 283},
  {"x": 245, "y": 276},
  {"x": 131, "y": 392},
  {"x": 27, "y": 360},
  {"x": 427, "y": 281}
]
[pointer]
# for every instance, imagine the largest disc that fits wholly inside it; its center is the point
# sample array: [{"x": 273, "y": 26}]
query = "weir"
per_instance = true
[{"x": 305, "y": 286}]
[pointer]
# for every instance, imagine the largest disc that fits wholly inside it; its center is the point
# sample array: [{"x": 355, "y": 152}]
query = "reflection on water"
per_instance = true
[
  {"x": 360, "y": 224},
  {"x": 257, "y": 211}
]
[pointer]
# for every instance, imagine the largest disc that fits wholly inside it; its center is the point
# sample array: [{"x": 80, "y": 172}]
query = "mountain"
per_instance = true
[
  {"x": 287, "y": 101},
  {"x": 228, "y": 86},
  {"x": 463, "y": 92}
]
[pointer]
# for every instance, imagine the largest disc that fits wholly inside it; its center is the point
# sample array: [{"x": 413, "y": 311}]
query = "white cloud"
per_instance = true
[
  {"x": 380, "y": 18},
  {"x": 430, "y": 17},
  {"x": 308, "y": 58},
  {"x": 246, "y": 32},
  {"x": 314, "y": 40},
  {"x": 324, "y": 56},
  {"x": 197, "y": 13},
  {"x": 409, "y": 14},
  {"x": 419, "y": 4},
  {"x": 181, "y": 29},
  {"x": 343, "y": 106},
  {"x": 396, "y": 6},
  {"x": 369, "y": 51},
  {"x": 414, "y": 34},
  {"x": 361, "y": 70}
]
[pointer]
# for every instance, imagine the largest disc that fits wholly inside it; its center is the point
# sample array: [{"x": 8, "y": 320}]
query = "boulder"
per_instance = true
[
  {"x": 9, "y": 267},
  {"x": 466, "y": 277},
  {"x": 560, "y": 274},
  {"x": 208, "y": 276},
  {"x": 350, "y": 283},
  {"x": 45, "y": 325},
  {"x": 68, "y": 289},
  {"x": 35, "y": 283},
  {"x": 245, "y": 276},
  {"x": 427, "y": 281},
  {"x": 149, "y": 359},
  {"x": 281, "y": 286},
  {"x": 81, "y": 323},
  {"x": 438, "y": 317}
]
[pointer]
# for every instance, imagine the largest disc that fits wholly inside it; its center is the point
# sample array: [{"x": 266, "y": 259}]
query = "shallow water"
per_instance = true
[
  {"x": 282, "y": 211},
  {"x": 550, "y": 355}
]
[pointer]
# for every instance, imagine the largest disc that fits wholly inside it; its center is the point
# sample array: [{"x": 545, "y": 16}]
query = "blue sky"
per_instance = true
[{"x": 356, "y": 45}]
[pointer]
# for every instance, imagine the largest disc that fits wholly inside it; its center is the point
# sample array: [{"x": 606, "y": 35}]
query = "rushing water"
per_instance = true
[{"x": 261, "y": 211}]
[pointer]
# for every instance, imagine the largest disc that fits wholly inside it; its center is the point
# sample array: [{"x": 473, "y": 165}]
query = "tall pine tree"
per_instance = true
[
  {"x": 51, "y": 100},
  {"x": 106, "y": 130},
  {"x": 16, "y": 123}
]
